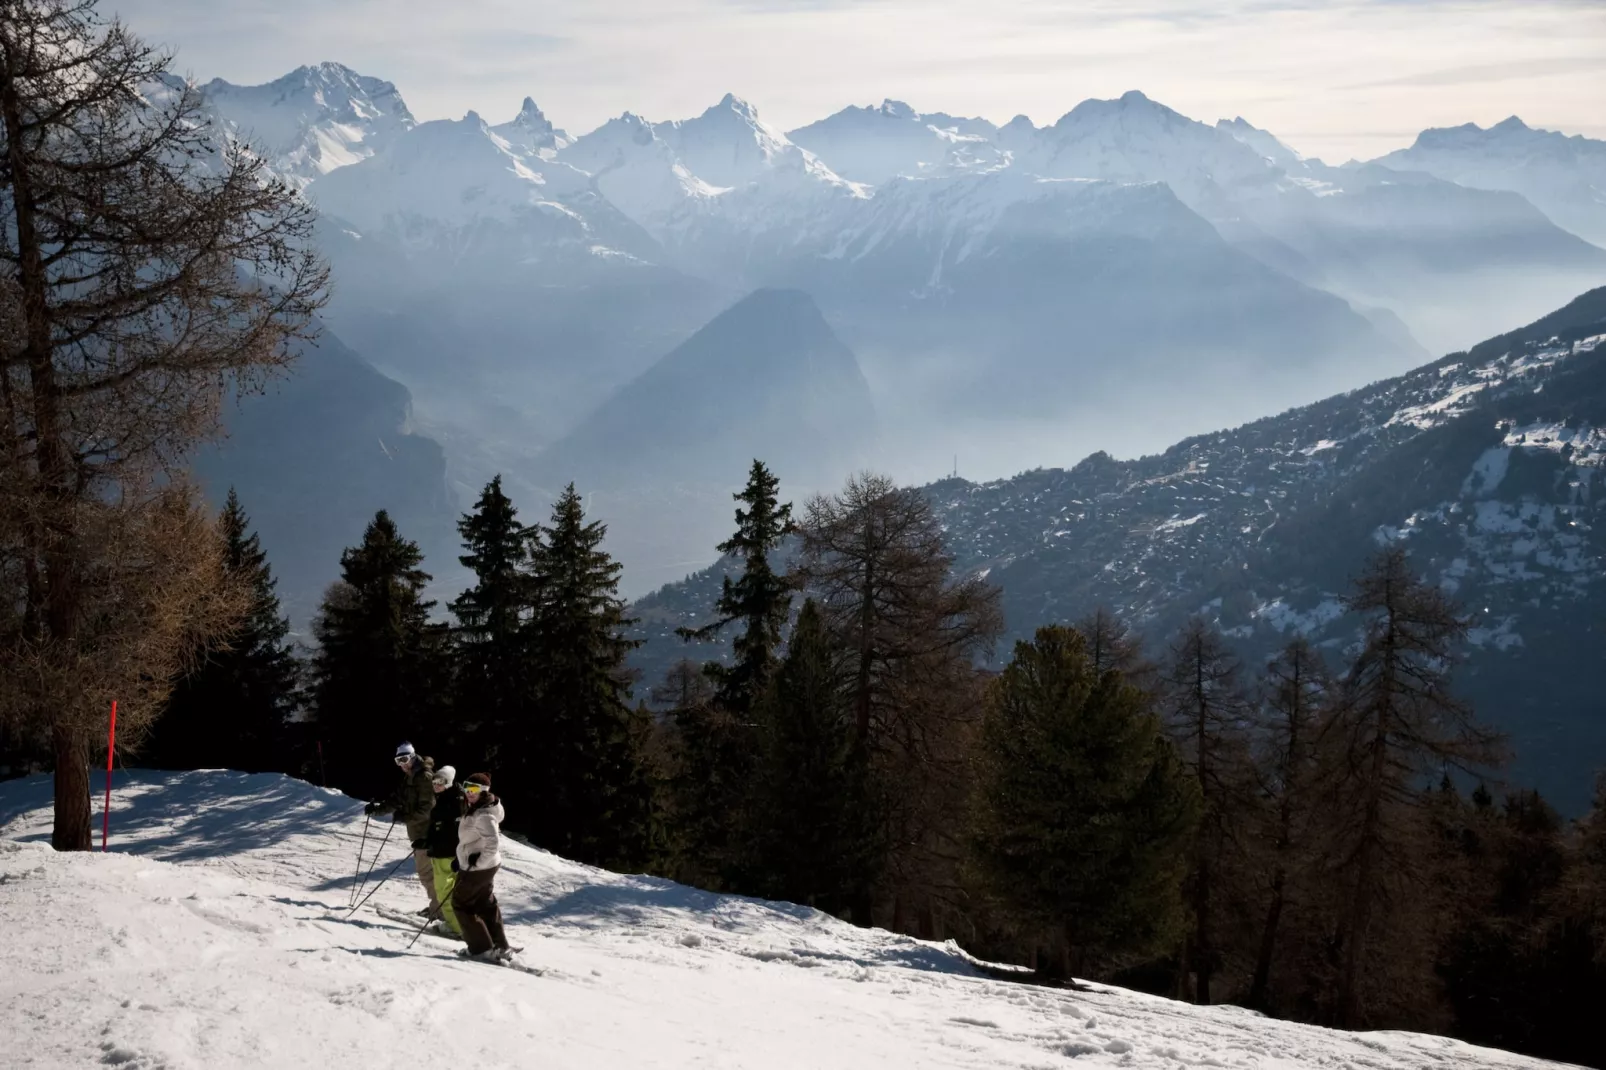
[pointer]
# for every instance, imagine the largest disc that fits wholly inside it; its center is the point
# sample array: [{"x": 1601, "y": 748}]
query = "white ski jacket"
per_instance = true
[{"x": 478, "y": 833}]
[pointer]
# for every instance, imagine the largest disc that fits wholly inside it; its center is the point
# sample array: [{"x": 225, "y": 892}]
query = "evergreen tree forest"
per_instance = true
[{"x": 1317, "y": 839}]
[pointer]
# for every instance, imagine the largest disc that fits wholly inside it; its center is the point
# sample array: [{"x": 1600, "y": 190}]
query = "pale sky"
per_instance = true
[{"x": 1337, "y": 79}]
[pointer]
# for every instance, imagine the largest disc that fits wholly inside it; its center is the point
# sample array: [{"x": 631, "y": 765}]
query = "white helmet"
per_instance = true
[{"x": 444, "y": 777}]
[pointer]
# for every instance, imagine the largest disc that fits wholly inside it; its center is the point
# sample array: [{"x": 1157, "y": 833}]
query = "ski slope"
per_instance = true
[{"x": 212, "y": 936}]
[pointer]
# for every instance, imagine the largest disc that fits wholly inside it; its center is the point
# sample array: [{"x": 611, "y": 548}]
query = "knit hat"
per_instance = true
[
  {"x": 405, "y": 750},
  {"x": 483, "y": 779},
  {"x": 444, "y": 776}
]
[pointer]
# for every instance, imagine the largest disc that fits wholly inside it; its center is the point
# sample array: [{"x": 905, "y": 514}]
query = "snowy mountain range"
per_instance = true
[
  {"x": 1117, "y": 278},
  {"x": 1565, "y": 177}
]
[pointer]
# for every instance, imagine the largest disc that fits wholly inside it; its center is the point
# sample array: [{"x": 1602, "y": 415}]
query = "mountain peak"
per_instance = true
[
  {"x": 1509, "y": 125},
  {"x": 897, "y": 109},
  {"x": 732, "y": 103},
  {"x": 1132, "y": 103},
  {"x": 313, "y": 119}
]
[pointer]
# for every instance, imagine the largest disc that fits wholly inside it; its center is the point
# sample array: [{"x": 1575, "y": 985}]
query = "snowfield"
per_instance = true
[{"x": 212, "y": 936}]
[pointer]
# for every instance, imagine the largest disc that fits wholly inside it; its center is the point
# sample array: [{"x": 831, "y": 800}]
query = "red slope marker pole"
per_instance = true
[{"x": 106, "y": 810}]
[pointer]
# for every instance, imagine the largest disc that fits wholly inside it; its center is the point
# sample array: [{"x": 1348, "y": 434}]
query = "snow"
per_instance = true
[
  {"x": 314, "y": 120},
  {"x": 1282, "y": 617},
  {"x": 1488, "y": 471},
  {"x": 211, "y": 936},
  {"x": 449, "y": 173}
]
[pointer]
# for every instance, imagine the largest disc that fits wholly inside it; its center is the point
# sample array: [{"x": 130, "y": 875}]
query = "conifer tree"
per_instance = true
[
  {"x": 1398, "y": 725},
  {"x": 760, "y": 600},
  {"x": 379, "y": 675},
  {"x": 494, "y": 679},
  {"x": 1296, "y": 690},
  {"x": 591, "y": 795},
  {"x": 814, "y": 829},
  {"x": 1207, "y": 716},
  {"x": 230, "y": 713},
  {"x": 912, "y": 634},
  {"x": 716, "y": 742},
  {"x": 1084, "y": 812}
]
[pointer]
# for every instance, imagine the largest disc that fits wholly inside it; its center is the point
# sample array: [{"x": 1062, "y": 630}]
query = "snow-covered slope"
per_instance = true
[
  {"x": 314, "y": 119},
  {"x": 1564, "y": 176},
  {"x": 447, "y": 174},
  {"x": 213, "y": 936}
]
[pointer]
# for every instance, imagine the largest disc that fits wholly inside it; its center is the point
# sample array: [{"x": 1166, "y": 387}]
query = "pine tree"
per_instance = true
[
  {"x": 495, "y": 678},
  {"x": 716, "y": 743},
  {"x": 814, "y": 830},
  {"x": 1084, "y": 813},
  {"x": 590, "y": 793},
  {"x": 380, "y": 672},
  {"x": 760, "y": 600},
  {"x": 230, "y": 713}
]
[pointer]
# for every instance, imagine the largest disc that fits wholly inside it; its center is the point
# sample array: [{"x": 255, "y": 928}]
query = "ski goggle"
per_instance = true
[
  {"x": 472, "y": 788},
  {"x": 404, "y": 759}
]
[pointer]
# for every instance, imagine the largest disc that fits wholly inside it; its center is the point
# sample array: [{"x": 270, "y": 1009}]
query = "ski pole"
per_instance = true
[
  {"x": 439, "y": 907},
  {"x": 368, "y": 819},
  {"x": 392, "y": 872},
  {"x": 377, "y": 854}
]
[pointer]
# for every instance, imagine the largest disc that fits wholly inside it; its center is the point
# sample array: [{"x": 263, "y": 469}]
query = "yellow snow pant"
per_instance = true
[{"x": 444, "y": 879}]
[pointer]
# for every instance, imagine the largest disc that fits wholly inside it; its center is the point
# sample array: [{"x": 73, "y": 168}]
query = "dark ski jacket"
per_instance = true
[
  {"x": 414, "y": 799},
  {"x": 442, "y": 836}
]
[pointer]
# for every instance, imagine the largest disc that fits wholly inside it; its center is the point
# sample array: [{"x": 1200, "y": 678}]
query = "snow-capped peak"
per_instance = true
[
  {"x": 450, "y": 172},
  {"x": 312, "y": 120},
  {"x": 1136, "y": 139},
  {"x": 728, "y": 145},
  {"x": 531, "y": 132},
  {"x": 1262, "y": 141}
]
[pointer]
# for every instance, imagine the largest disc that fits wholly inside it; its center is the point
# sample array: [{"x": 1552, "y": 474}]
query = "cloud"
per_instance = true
[{"x": 1490, "y": 72}]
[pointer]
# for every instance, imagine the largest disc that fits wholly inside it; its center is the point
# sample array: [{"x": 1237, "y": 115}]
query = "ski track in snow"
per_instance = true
[{"x": 212, "y": 936}]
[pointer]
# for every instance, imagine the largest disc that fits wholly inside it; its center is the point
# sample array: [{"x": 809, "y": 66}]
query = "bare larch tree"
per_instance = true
[{"x": 147, "y": 267}]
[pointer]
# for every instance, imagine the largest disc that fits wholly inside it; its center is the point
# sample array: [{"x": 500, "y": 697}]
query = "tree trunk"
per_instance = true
[
  {"x": 1268, "y": 944},
  {"x": 1201, "y": 941},
  {"x": 72, "y": 828}
]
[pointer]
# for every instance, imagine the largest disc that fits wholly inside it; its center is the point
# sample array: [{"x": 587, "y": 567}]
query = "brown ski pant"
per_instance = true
[{"x": 478, "y": 912}]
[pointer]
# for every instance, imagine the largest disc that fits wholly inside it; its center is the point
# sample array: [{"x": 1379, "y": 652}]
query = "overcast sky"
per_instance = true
[{"x": 1337, "y": 79}]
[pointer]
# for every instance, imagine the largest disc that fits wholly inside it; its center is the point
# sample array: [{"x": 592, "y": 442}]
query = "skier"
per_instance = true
[
  {"x": 442, "y": 842},
  {"x": 412, "y": 802},
  {"x": 479, "y": 856}
]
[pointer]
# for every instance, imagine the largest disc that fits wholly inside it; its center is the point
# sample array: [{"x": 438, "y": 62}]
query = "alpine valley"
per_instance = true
[
  {"x": 1489, "y": 463},
  {"x": 924, "y": 293}
]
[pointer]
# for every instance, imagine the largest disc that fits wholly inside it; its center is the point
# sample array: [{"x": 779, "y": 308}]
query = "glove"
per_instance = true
[
  {"x": 419, "y": 845},
  {"x": 457, "y": 868},
  {"x": 473, "y": 860},
  {"x": 373, "y": 808}
]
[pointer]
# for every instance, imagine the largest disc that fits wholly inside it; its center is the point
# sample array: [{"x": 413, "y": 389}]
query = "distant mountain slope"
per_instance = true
[
  {"x": 1488, "y": 464},
  {"x": 315, "y": 456},
  {"x": 1565, "y": 177},
  {"x": 878, "y": 144},
  {"x": 766, "y": 378}
]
